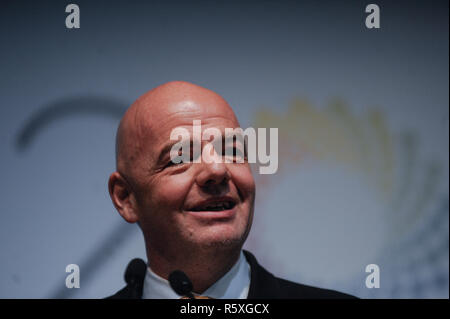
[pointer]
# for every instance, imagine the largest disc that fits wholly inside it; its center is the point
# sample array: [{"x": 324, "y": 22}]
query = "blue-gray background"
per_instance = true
[{"x": 377, "y": 102}]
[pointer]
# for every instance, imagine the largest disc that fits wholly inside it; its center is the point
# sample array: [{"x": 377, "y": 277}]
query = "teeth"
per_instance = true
[{"x": 217, "y": 206}]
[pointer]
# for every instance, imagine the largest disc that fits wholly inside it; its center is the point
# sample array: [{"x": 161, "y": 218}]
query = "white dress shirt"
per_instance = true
[{"x": 233, "y": 285}]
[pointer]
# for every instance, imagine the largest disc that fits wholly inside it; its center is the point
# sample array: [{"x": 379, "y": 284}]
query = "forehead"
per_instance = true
[{"x": 158, "y": 122}]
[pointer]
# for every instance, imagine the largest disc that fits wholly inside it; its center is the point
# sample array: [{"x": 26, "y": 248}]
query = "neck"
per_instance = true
[{"x": 203, "y": 266}]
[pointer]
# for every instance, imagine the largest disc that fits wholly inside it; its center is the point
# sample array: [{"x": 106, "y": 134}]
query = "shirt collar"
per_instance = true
[{"x": 233, "y": 285}]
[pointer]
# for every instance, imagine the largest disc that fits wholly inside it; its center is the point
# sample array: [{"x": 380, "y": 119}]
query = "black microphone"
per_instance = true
[
  {"x": 134, "y": 277},
  {"x": 181, "y": 283}
]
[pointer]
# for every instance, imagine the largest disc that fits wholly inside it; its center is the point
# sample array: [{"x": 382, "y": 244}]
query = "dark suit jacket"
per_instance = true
[{"x": 263, "y": 285}]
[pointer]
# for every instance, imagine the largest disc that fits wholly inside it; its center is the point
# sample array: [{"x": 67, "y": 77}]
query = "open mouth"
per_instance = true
[{"x": 214, "y": 206}]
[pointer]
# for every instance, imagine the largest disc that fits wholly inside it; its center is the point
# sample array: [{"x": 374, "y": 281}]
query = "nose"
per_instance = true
[{"x": 212, "y": 174}]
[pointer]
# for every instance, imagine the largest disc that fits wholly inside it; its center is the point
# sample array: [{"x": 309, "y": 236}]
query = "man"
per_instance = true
[{"x": 195, "y": 216}]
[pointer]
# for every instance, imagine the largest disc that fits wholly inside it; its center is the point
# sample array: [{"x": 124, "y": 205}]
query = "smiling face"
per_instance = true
[{"x": 188, "y": 205}]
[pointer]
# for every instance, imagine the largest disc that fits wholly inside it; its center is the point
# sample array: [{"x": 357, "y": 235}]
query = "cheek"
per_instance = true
[
  {"x": 243, "y": 179},
  {"x": 171, "y": 191}
]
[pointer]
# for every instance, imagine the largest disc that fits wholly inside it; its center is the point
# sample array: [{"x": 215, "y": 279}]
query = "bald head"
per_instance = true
[
  {"x": 169, "y": 200},
  {"x": 143, "y": 121}
]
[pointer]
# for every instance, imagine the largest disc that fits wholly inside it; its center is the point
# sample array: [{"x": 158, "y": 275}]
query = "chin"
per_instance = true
[{"x": 225, "y": 238}]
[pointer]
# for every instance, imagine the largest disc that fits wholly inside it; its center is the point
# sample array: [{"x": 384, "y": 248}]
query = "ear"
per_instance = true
[{"x": 122, "y": 197}]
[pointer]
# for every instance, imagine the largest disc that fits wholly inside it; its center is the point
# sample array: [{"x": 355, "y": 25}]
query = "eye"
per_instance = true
[
  {"x": 237, "y": 153},
  {"x": 180, "y": 159},
  {"x": 170, "y": 163}
]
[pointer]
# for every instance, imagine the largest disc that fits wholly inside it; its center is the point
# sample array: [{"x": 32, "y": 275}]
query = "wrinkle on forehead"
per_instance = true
[{"x": 160, "y": 107}]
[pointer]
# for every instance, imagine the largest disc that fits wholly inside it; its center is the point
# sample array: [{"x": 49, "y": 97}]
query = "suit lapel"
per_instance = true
[{"x": 263, "y": 284}]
